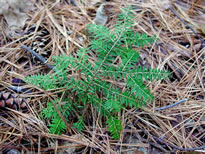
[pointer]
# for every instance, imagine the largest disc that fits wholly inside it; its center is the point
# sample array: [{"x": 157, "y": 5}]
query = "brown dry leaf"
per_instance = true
[
  {"x": 101, "y": 16},
  {"x": 14, "y": 12},
  {"x": 15, "y": 19},
  {"x": 104, "y": 12}
]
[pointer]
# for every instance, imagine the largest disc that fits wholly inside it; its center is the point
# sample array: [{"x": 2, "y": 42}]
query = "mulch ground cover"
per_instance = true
[{"x": 58, "y": 27}]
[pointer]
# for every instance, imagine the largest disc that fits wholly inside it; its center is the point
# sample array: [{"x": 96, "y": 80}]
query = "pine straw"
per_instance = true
[{"x": 182, "y": 125}]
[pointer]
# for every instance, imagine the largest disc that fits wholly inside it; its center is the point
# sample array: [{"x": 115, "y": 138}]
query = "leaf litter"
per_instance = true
[{"x": 178, "y": 49}]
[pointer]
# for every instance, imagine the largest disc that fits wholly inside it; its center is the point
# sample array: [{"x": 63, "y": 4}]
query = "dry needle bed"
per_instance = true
[{"x": 178, "y": 50}]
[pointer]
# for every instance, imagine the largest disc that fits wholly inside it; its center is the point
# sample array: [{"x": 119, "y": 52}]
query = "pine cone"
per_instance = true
[
  {"x": 12, "y": 101},
  {"x": 42, "y": 39}
]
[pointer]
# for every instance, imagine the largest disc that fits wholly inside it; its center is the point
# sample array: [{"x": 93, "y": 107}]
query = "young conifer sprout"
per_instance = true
[{"x": 97, "y": 87}]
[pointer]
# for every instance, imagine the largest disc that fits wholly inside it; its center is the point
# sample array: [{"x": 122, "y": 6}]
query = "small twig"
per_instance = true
[
  {"x": 73, "y": 2},
  {"x": 173, "y": 146},
  {"x": 171, "y": 105},
  {"x": 39, "y": 57},
  {"x": 201, "y": 39}
]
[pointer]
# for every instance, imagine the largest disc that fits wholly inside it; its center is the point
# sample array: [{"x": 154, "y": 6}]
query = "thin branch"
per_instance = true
[
  {"x": 39, "y": 57},
  {"x": 73, "y": 2},
  {"x": 171, "y": 105}
]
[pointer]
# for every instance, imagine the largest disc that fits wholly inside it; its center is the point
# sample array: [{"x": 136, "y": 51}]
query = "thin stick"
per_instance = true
[
  {"x": 171, "y": 105},
  {"x": 39, "y": 57},
  {"x": 73, "y": 2}
]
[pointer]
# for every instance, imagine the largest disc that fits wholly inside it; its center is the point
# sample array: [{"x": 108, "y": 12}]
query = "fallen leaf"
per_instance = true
[
  {"x": 101, "y": 16},
  {"x": 15, "y": 19},
  {"x": 14, "y": 12}
]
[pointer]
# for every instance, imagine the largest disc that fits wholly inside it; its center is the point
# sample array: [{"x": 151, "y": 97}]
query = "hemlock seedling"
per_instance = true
[{"x": 93, "y": 82}]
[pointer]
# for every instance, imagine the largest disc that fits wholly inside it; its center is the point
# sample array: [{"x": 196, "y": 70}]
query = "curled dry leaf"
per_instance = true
[
  {"x": 101, "y": 16},
  {"x": 15, "y": 19},
  {"x": 14, "y": 13},
  {"x": 104, "y": 12}
]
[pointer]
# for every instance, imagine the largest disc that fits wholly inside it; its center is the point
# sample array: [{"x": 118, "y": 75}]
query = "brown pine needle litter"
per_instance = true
[{"x": 175, "y": 121}]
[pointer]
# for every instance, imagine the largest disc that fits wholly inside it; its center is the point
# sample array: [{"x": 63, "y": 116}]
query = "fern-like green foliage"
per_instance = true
[
  {"x": 79, "y": 125},
  {"x": 114, "y": 126},
  {"x": 57, "y": 125},
  {"x": 95, "y": 81}
]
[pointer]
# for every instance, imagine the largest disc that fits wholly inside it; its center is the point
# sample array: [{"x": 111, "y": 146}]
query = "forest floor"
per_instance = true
[{"x": 180, "y": 29}]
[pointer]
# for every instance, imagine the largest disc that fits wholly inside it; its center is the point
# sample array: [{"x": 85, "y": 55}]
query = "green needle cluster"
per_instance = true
[{"x": 96, "y": 81}]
